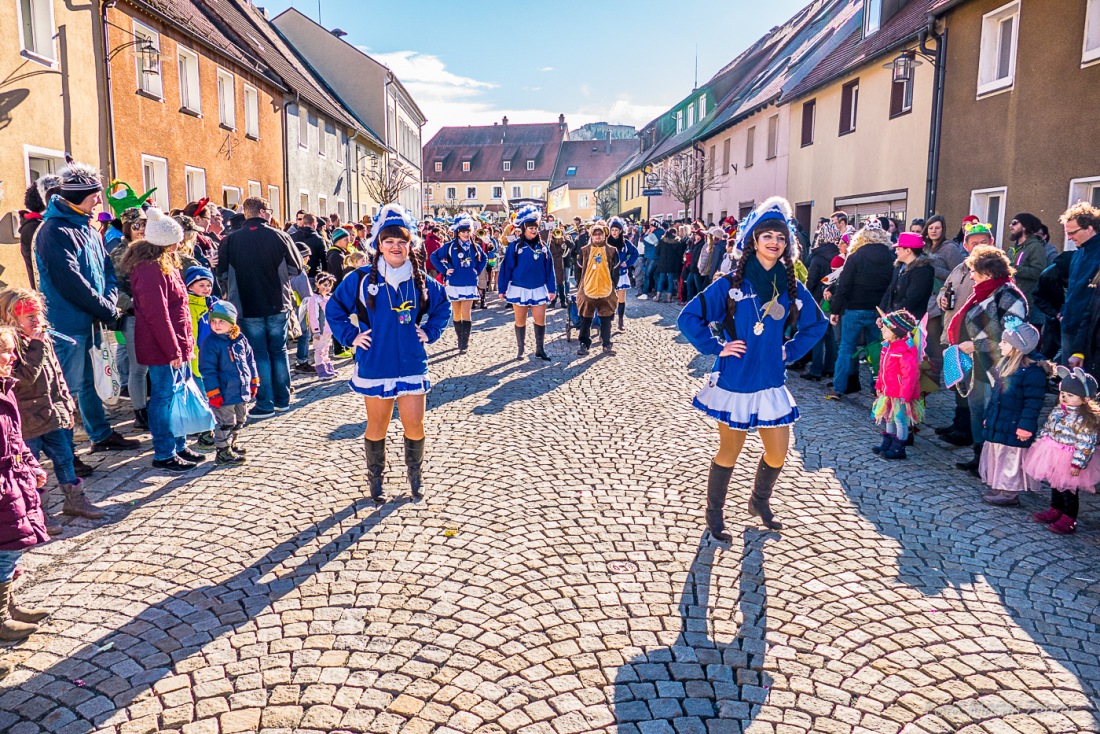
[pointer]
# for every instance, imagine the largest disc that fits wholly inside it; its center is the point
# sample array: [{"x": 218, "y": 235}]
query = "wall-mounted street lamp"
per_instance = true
[{"x": 150, "y": 54}]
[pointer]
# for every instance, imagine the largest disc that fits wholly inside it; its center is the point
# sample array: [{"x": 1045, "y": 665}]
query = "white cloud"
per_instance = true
[
  {"x": 545, "y": 68},
  {"x": 449, "y": 99}
]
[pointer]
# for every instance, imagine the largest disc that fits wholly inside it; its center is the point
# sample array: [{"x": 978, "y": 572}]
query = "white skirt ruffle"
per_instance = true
[
  {"x": 527, "y": 296},
  {"x": 391, "y": 387},
  {"x": 624, "y": 280},
  {"x": 743, "y": 411},
  {"x": 462, "y": 292}
]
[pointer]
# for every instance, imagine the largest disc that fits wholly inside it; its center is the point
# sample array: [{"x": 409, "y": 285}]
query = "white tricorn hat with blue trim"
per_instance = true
[
  {"x": 527, "y": 213},
  {"x": 462, "y": 221},
  {"x": 392, "y": 215},
  {"x": 775, "y": 208}
]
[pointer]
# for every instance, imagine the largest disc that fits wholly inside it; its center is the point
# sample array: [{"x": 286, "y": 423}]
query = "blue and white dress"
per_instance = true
[
  {"x": 396, "y": 362},
  {"x": 467, "y": 260},
  {"x": 527, "y": 274},
  {"x": 628, "y": 257},
  {"x": 750, "y": 391}
]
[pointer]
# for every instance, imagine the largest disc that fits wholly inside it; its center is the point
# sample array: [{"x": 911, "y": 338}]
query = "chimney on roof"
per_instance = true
[
  {"x": 505, "y": 121},
  {"x": 338, "y": 33},
  {"x": 561, "y": 121}
]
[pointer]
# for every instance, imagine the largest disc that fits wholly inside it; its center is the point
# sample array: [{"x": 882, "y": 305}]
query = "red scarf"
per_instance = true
[{"x": 981, "y": 292}]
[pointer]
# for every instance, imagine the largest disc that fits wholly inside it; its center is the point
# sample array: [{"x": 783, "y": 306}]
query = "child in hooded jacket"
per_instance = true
[
  {"x": 319, "y": 326},
  {"x": 232, "y": 380},
  {"x": 899, "y": 404}
]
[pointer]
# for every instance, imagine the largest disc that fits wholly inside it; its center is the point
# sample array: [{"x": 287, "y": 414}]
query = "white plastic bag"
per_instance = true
[{"x": 105, "y": 368}]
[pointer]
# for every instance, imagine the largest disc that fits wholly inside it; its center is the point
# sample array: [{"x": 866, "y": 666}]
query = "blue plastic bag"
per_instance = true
[{"x": 189, "y": 412}]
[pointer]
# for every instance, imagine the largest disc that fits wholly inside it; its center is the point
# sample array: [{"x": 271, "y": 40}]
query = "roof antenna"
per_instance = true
[
  {"x": 319, "y": 17},
  {"x": 696, "y": 85}
]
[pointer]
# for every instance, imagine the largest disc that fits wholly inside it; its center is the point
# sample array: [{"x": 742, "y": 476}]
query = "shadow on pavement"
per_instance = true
[
  {"x": 698, "y": 678},
  {"x": 116, "y": 669}
]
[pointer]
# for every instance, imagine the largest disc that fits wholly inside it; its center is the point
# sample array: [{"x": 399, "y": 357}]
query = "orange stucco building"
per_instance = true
[{"x": 193, "y": 113}]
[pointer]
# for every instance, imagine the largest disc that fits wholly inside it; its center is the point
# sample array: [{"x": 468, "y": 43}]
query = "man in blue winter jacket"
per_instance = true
[{"x": 77, "y": 280}]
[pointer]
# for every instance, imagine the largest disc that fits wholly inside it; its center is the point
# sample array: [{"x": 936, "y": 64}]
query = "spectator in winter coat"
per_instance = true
[
  {"x": 29, "y": 221},
  {"x": 670, "y": 256},
  {"x": 823, "y": 355},
  {"x": 260, "y": 262},
  {"x": 162, "y": 332},
  {"x": 946, "y": 255},
  {"x": 77, "y": 281},
  {"x": 1049, "y": 296},
  {"x": 857, "y": 293},
  {"x": 911, "y": 284},
  {"x": 305, "y": 234},
  {"x": 1027, "y": 253},
  {"x": 1082, "y": 224}
]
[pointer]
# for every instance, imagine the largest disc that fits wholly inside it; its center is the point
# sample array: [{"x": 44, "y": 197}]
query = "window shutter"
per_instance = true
[{"x": 809, "y": 110}]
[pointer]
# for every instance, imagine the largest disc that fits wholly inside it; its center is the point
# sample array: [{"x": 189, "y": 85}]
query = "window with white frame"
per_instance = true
[
  {"x": 516, "y": 192},
  {"x": 498, "y": 192},
  {"x": 303, "y": 200},
  {"x": 989, "y": 206},
  {"x": 530, "y": 165},
  {"x": 37, "y": 28},
  {"x": 691, "y": 115},
  {"x": 41, "y": 161},
  {"x": 536, "y": 191},
  {"x": 322, "y": 206},
  {"x": 341, "y": 209},
  {"x": 471, "y": 192},
  {"x": 872, "y": 16},
  {"x": 254, "y": 189},
  {"x": 773, "y": 136},
  {"x": 227, "y": 103},
  {"x": 465, "y": 166},
  {"x": 194, "y": 183},
  {"x": 190, "y": 97},
  {"x": 148, "y": 64},
  {"x": 450, "y": 193},
  {"x": 322, "y": 136},
  {"x": 303, "y": 127},
  {"x": 273, "y": 199},
  {"x": 582, "y": 201},
  {"x": 702, "y": 107},
  {"x": 1085, "y": 189},
  {"x": 1092, "y": 32},
  {"x": 231, "y": 197},
  {"x": 997, "y": 58},
  {"x": 438, "y": 166},
  {"x": 155, "y": 176},
  {"x": 251, "y": 112},
  {"x": 341, "y": 142},
  {"x": 507, "y": 165}
]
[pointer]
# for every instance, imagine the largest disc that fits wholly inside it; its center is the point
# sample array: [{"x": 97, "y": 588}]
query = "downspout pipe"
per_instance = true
[
  {"x": 700, "y": 156},
  {"x": 286, "y": 156},
  {"x": 112, "y": 162},
  {"x": 935, "y": 138}
]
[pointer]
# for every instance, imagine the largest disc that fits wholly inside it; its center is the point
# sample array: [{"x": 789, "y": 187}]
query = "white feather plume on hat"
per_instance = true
[
  {"x": 772, "y": 208},
  {"x": 393, "y": 215}
]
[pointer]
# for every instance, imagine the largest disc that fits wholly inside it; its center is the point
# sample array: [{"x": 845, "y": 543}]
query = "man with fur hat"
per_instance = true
[
  {"x": 856, "y": 296},
  {"x": 596, "y": 293},
  {"x": 77, "y": 280}
]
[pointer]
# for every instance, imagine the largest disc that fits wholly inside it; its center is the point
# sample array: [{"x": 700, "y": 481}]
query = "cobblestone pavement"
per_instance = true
[{"x": 556, "y": 577}]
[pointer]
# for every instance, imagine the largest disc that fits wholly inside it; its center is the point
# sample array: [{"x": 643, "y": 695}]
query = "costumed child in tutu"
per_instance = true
[
  {"x": 1012, "y": 415},
  {"x": 899, "y": 404},
  {"x": 319, "y": 326},
  {"x": 1063, "y": 454}
]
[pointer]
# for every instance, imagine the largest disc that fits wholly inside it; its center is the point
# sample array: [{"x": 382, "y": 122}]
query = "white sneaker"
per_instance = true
[{"x": 643, "y": 297}]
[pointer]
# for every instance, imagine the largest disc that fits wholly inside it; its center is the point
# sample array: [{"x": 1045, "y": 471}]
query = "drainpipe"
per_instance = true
[
  {"x": 699, "y": 158},
  {"x": 112, "y": 164},
  {"x": 286, "y": 157},
  {"x": 932, "y": 184}
]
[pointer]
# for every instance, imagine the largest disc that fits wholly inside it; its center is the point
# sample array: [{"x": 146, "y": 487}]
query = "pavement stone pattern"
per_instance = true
[{"x": 556, "y": 578}]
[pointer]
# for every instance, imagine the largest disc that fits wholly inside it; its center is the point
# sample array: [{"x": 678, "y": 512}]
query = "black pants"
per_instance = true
[
  {"x": 1068, "y": 502},
  {"x": 585, "y": 335}
]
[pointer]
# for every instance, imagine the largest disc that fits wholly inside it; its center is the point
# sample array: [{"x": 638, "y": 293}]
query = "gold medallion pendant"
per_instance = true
[{"x": 759, "y": 328}]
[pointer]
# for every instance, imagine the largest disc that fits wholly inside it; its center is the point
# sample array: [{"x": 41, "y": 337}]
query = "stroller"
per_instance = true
[{"x": 573, "y": 318}]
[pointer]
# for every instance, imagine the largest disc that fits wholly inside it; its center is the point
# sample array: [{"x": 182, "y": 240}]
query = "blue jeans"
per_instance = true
[
  {"x": 978, "y": 397},
  {"x": 8, "y": 561},
  {"x": 302, "y": 354},
  {"x": 267, "y": 335},
  {"x": 823, "y": 353},
  {"x": 139, "y": 373},
  {"x": 852, "y": 324},
  {"x": 666, "y": 282},
  {"x": 162, "y": 385},
  {"x": 58, "y": 445},
  {"x": 651, "y": 276},
  {"x": 693, "y": 285},
  {"x": 76, "y": 366}
]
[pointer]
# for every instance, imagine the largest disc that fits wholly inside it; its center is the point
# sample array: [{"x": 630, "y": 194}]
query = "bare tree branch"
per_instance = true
[
  {"x": 607, "y": 202},
  {"x": 684, "y": 177},
  {"x": 386, "y": 182}
]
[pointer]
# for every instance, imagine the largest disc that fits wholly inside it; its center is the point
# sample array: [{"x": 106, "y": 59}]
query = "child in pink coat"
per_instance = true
[{"x": 899, "y": 404}]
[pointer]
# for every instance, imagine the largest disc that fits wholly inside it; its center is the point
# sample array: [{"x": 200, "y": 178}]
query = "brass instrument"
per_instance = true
[{"x": 558, "y": 233}]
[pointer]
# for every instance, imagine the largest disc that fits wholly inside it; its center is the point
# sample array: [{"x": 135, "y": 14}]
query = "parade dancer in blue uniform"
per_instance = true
[
  {"x": 628, "y": 257},
  {"x": 527, "y": 280},
  {"x": 756, "y": 305},
  {"x": 461, "y": 261},
  {"x": 399, "y": 310}
]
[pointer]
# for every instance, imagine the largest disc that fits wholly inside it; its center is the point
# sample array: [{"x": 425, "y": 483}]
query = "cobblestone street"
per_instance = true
[{"x": 556, "y": 578}]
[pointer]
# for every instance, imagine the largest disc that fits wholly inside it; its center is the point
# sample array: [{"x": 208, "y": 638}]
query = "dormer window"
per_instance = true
[
  {"x": 465, "y": 166},
  {"x": 530, "y": 165},
  {"x": 507, "y": 165},
  {"x": 872, "y": 16},
  {"x": 438, "y": 166},
  {"x": 571, "y": 171}
]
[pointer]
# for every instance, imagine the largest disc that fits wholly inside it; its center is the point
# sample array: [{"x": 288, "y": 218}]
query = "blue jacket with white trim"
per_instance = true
[
  {"x": 467, "y": 260},
  {"x": 395, "y": 349},
  {"x": 762, "y": 367},
  {"x": 527, "y": 265}
]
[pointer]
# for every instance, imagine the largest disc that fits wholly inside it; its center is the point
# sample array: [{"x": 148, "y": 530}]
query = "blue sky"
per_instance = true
[{"x": 622, "y": 62}]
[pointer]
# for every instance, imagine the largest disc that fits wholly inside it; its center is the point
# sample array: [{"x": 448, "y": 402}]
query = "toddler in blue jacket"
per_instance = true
[{"x": 229, "y": 373}]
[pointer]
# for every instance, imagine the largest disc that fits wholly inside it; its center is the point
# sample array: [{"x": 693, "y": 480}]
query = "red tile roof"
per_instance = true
[
  {"x": 593, "y": 161},
  {"x": 486, "y": 147},
  {"x": 855, "y": 51}
]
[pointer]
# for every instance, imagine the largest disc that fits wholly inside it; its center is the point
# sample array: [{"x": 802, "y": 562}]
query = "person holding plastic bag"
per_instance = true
[{"x": 162, "y": 333}]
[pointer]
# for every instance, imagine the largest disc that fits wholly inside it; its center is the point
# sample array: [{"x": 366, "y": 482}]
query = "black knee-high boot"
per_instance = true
[
  {"x": 462, "y": 328},
  {"x": 540, "y": 338},
  {"x": 560, "y": 300},
  {"x": 376, "y": 465},
  {"x": 585, "y": 335},
  {"x": 622, "y": 313},
  {"x": 605, "y": 333},
  {"x": 521, "y": 336},
  {"x": 414, "y": 458},
  {"x": 718, "y": 482},
  {"x": 759, "y": 503}
]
